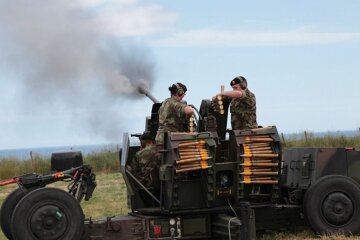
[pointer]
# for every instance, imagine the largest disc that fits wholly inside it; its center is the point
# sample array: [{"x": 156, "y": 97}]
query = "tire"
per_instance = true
[
  {"x": 7, "y": 209},
  {"x": 47, "y": 214},
  {"x": 332, "y": 206}
]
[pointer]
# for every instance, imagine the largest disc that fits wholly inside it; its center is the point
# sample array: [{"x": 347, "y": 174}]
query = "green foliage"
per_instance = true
[
  {"x": 309, "y": 140},
  {"x": 105, "y": 161},
  {"x": 10, "y": 167}
]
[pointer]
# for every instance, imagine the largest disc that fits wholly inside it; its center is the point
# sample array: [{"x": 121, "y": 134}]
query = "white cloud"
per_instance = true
[
  {"x": 97, "y": 3},
  {"x": 128, "y": 17},
  {"x": 136, "y": 20},
  {"x": 223, "y": 38}
]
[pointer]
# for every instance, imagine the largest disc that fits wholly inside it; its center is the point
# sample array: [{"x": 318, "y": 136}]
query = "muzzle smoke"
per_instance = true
[{"x": 61, "y": 54}]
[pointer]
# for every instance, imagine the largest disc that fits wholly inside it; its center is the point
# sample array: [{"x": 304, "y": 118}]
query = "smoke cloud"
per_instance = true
[{"x": 62, "y": 53}]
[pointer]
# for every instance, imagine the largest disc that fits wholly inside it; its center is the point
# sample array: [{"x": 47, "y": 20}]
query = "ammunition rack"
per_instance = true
[
  {"x": 192, "y": 126},
  {"x": 193, "y": 155},
  {"x": 191, "y": 158},
  {"x": 258, "y": 164},
  {"x": 218, "y": 104},
  {"x": 259, "y": 160}
]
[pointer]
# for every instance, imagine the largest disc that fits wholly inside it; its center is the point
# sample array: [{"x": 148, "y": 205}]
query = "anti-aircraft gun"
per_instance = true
[
  {"x": 317, "y": 187},
  {"x": 185, "y": 204},
  {"x": 214, "y": 183}
]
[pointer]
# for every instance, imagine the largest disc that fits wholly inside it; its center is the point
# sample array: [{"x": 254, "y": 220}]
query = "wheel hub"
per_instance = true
[
  {"x": 48, "y": 222},
  {"x": 337, "y": 208}
]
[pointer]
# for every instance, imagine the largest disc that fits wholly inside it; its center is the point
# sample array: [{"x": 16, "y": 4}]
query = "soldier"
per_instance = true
[
  {"x": 242, "y": 106},
  {"x": 146, "y": 162},
  {"x": 173, "y": 112}
]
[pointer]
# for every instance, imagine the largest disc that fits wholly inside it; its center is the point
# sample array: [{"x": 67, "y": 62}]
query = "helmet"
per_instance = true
[
  {"x": 146, "y": 136},
  {"x": 239, "y": 80},
  {"x": 178, "y": 89}
]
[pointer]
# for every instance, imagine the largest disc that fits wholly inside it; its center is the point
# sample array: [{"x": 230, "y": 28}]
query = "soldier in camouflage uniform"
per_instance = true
[
  {"x": 146, "y": 162},
  {"x": 242, "y": 106},
  {"x": 173, "y": 112}
]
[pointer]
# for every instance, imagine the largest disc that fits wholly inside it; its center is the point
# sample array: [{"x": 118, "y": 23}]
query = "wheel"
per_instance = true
[
  {"x": 7, "y": 209},
  {"x": 332, "y": 206},
  {"x": 47, "y": 214}
]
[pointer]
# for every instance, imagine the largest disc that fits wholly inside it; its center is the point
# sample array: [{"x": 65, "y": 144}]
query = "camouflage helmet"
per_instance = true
[
  {"x": 146, "y": 136},
  {"x": 239, "y": 80},
  {"x": 178, "y": 89}
]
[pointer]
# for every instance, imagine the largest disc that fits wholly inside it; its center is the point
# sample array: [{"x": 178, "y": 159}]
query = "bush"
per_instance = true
[
  {"x": 309, "y": 140},
  {"x": 102, "y": 162}
]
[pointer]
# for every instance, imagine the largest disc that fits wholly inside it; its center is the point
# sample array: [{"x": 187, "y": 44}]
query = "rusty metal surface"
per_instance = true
[{"x": 119, "y": 227}]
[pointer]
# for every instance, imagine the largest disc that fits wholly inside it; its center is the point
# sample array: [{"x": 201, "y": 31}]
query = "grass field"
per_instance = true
[{"x": 109, "y": 199}]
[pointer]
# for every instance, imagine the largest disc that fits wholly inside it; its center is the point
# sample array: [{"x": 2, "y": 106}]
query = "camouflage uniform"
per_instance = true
[
  {"x": 243, "y": 111},
  {"x": 145, "y": 164},
  {"x": 171, "y": 118}
]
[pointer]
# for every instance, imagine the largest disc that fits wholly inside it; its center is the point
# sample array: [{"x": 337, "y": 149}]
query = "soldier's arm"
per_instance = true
[
  {"x": 134, "y": 166},
  {"x": 189, "y": 110},
  {"x": 232, "y": 94},
  {"x": 182, "y": 108}
]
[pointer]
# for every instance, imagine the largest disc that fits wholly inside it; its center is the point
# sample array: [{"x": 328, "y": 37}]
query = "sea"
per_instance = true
[{"x": 45, "y": 152}]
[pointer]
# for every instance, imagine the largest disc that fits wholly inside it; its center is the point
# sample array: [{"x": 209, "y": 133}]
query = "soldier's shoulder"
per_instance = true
[
  {"x": 166, "y": 101},
  {"x": 250, "y": 93},
  {"x": 149, "y": 148}
]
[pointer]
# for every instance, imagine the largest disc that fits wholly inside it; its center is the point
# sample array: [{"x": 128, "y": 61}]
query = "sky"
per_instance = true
[{"x": 69, "y": 68}]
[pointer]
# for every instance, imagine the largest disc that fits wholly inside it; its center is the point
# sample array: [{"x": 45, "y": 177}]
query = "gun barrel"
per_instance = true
[{"x": 142, "y": 90}]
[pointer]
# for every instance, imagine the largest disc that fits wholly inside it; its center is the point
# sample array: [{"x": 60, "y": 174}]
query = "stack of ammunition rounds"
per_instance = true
[
  {"x": 193, "y": 155},
  {"x": 218, "y": 104},
  {"x": 192, "y": 124},
  {"x": 260, "y": 163}
]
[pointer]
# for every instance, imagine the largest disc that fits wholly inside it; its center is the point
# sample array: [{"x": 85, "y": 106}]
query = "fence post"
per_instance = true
[
  {"x": 283, "y": 138},
  {"x": 32, "y": 161}
]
